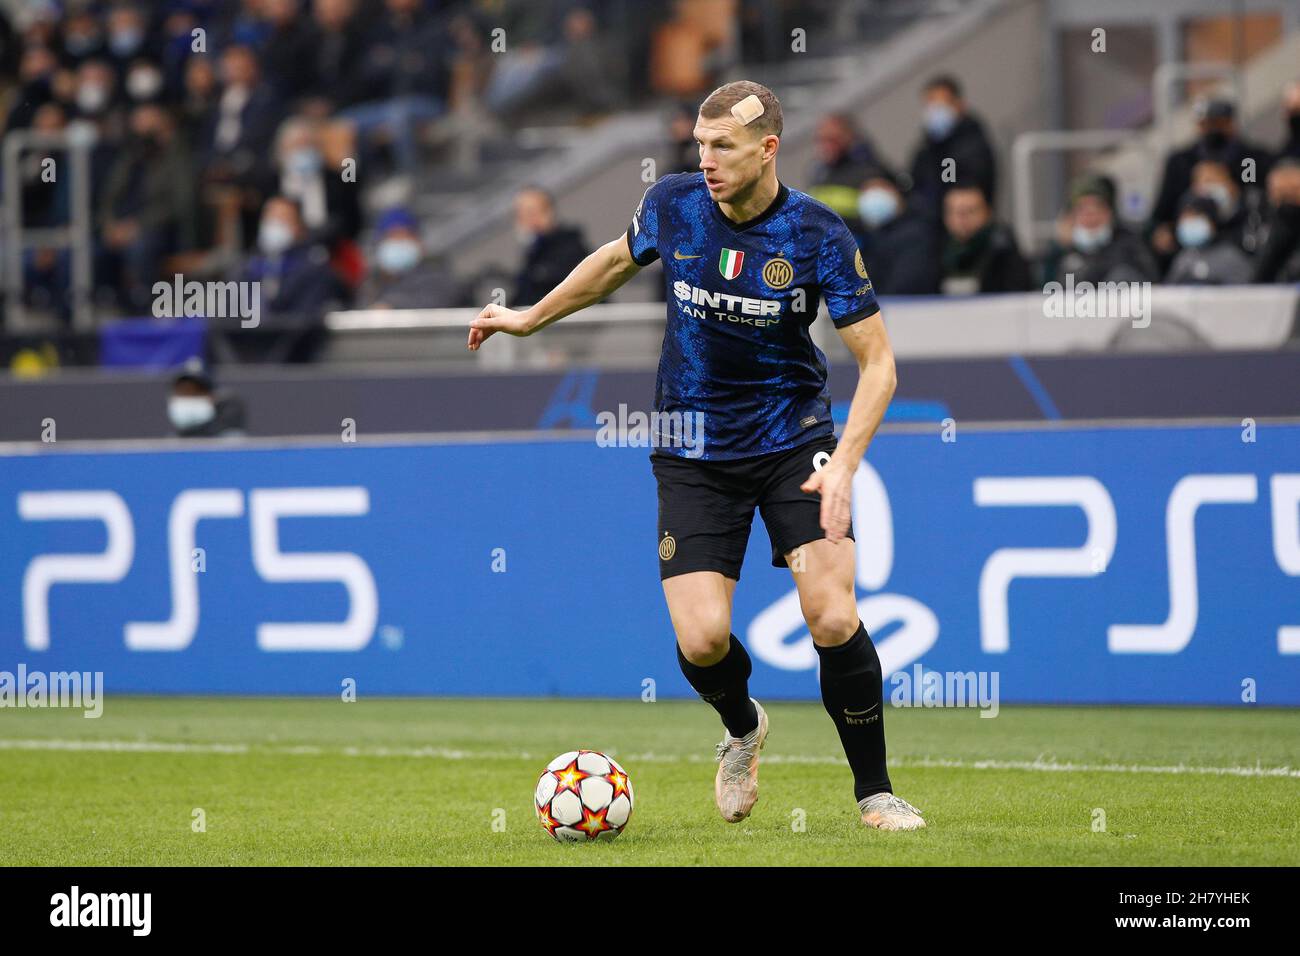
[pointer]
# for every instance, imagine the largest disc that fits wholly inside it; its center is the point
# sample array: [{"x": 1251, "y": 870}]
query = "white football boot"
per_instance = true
[
  {"x": 736, "y": 786},
  {"x": 884, "y": 811}
]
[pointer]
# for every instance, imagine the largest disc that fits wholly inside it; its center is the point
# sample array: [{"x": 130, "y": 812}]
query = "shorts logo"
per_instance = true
[
  {"x": 858, "y": 264},
  {"x": 730, "y": 263},
  {"x": 778, "y": 273},
  {"x": 808, "y": 422},
  {"x": 667, "y": 547}
]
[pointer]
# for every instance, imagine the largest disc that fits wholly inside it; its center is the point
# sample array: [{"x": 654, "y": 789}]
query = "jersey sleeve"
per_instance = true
[
  {"x": 643, "y": 233},
  {"x": 842, "y": 276}
]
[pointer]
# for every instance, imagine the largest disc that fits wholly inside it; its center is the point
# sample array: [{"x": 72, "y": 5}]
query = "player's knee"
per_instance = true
[
  {"x": 704, "y": 635},
  {"x": 831, "y": 622}
]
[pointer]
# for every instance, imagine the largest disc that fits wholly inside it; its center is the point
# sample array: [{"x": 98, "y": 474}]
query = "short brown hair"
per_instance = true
[{"x": 720, "y": 101}]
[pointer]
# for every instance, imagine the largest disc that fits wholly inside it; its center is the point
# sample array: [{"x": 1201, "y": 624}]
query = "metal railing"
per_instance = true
[{"x": 76, "y": 142}]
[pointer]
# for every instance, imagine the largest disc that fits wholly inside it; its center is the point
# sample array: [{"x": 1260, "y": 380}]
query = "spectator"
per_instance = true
[
  {"x": 127, "y": 32},
  {"x": 297, "y": 284},
  {"x": 1291, "y": 112},
  {"x": 36, "y": 77},
  {"x": 1218, "y": 141},
  {"x": 147, "y": 208},
  {"x": 1207, "y": 256},
  {"x": 198, "y": 99},
  {"x": 288, "y": 45},
  {"x": 576, "y": 68},
  {"x": 587, "y": 65},
  {"x": 845, "y": 159},
  {"x": 235, "y": 145},
  {"x": 1097, "y": 247},
  {"x": 1238, "y": 221},
  {"x": 96, "y": 90},
  {"x": 331, "y": 208},
  {"x": 403, "y": 278},
  {"x": 239, "y": 132},
  {"x": 404, "y": 80},
  {"x": 980, "y": 254},
  {"x": 338, "y": 52},
  {"x": 898, "y": 244},
  {"x": 197, "y": 410},
  {"x": 1279, "y": 257},
  {"x": 83, "y": 36},
  {"x": 551, "y": 250},
  {"x": 951, "y": 133}
]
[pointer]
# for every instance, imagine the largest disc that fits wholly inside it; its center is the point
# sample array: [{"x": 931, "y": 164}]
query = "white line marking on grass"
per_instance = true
[{"x": 1041, "y": 764}]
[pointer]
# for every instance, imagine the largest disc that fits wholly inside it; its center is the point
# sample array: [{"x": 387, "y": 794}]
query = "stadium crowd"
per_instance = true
[
  {"x": 228, "y": 137},
  {"x": 1227, "y": 210}
]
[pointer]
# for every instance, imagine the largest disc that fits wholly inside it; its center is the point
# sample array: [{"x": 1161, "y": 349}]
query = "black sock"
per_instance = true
[
  {"x": 725, "y": 686},
  {"x": 852, "y": 694}
]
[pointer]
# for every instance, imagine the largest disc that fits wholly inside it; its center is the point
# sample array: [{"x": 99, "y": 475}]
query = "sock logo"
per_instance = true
[{"x": 859, "y": 716}]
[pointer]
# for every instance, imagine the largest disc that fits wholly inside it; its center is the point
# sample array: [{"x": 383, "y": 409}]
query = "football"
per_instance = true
[{"x": 583, "y": 795}]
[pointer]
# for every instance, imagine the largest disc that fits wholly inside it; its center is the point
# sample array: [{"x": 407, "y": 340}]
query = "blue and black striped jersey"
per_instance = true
[{"x": 741, "y": 298}]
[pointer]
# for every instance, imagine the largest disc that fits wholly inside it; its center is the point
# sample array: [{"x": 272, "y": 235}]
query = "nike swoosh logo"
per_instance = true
[
  {"x": 677, "y": 255},
  {"x": 859, "y": 713}
]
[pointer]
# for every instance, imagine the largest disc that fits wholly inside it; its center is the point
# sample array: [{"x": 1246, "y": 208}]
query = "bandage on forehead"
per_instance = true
[{"x": 747, "y": 110}]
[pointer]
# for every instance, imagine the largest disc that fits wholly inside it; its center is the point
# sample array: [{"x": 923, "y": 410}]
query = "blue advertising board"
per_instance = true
[{"x": 1155, "y": 564}]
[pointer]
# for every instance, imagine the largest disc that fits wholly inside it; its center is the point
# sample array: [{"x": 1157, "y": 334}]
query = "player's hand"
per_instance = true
[
  {"x": 496, "y": 318},
  {"x": 835, "y": 482}
]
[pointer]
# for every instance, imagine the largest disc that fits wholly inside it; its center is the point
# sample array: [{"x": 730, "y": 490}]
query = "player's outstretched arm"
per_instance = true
[
  {"x": 591, "y": 280},
  {"x": 877, "y": 378}
]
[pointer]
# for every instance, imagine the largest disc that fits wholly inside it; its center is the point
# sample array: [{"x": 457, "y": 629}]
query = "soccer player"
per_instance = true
[{"x": 746, "y": 262}]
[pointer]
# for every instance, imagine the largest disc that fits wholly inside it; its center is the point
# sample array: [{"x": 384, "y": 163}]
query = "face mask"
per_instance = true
[
  {"x": 143, "y": 84},
  {"x": 877, "y": 206},
  {"x": 303, "y": 161},
  {"x": 274, "y": 237},
  {"x": 1090, "y": 240},
  {"x": 125, "y": 42},
  {"x": 1194, "y": 231},
  {"x": 190, "y": 411},
  {"x": 939, "y": 120},
  {"x": 92, "y": 98},
  {"x": 397, "y": 255}
]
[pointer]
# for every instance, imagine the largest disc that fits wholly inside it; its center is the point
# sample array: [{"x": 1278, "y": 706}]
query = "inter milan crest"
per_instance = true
[
  {"x": 667, "y": 547},
  {"x": 778, "y": 273},
  {"x": 730, "y": 262}
]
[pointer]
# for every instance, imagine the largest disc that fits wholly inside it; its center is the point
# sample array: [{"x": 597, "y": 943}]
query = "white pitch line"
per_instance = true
[{"x": 447, "y": 753}]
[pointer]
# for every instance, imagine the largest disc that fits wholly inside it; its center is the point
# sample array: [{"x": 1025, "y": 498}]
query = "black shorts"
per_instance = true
[{"x": 706, "y": 507}]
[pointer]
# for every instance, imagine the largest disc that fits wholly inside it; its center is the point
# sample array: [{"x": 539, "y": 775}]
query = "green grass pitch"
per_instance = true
[{"x": 430, "y": 782}]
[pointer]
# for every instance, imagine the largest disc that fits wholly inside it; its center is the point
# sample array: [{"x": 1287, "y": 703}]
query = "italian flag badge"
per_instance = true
[{"x": 729, "y": 263}]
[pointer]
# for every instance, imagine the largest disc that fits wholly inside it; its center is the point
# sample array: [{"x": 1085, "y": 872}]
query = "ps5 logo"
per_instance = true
[
  {"x": 772, "y": 629},
  {"x": 266, "y": 507},
  {"x": 873, "y": 532}
]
